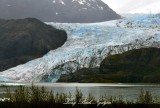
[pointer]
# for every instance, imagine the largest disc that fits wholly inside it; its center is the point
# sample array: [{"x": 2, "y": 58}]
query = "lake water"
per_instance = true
[{"x": 128, "y": 91}]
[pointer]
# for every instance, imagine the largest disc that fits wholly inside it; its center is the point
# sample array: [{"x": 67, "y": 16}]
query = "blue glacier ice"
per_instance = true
[{"x": 87, "y": 45}]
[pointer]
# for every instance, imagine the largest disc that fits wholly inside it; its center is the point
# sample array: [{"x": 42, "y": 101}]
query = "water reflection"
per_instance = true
[{"x": 128, "y": 91}]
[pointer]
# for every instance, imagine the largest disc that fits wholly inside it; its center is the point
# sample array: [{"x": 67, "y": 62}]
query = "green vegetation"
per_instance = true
[
  {"x": 146, "y": 98},
  {"x": 135, "y": 66},
  {"x": 27, "y": 97}
]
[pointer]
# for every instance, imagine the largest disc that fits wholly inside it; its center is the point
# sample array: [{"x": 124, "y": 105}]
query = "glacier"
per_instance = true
[{"x": 87, "y": 45}]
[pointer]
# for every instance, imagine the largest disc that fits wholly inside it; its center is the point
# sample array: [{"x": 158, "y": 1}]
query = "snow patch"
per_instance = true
[
  {"x": 82, "y": 2},
  {"x": 59, "y": 1}
]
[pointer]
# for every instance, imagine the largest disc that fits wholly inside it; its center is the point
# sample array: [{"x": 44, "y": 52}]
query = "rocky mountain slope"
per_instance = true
[
  {"x": 26, "y": 39},
  {"x": 87, "y": 46},
  {"x": 135, "y": 66},
  {"x": 69, "y": 11}
]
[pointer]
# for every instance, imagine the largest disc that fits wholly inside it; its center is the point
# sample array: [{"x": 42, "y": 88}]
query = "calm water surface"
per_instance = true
[{"x": 128, "y": 91}]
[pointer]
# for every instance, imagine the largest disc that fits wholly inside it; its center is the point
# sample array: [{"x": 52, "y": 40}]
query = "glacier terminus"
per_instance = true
[{"x": 87, "y": 45}]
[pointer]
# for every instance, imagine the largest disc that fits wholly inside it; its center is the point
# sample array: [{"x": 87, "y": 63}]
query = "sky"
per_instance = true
[{"x": 134, "y": 6}]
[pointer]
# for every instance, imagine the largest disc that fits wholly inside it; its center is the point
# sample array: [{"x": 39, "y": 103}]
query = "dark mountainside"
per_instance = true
[
  {"x": 135, "y": 66},
  {"x": 71, "y": 11},
  {"x": 26, "y": 39}
]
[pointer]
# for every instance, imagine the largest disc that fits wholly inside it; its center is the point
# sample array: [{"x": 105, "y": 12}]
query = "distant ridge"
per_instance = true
[{"x": 64, "y": 11}]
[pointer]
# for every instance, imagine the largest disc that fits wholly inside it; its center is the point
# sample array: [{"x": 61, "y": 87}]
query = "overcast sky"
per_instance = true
[{"x": 134, "y": 6}]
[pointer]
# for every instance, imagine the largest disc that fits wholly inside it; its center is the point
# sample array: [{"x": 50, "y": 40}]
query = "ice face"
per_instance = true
[{"x": 87, "y": 46}]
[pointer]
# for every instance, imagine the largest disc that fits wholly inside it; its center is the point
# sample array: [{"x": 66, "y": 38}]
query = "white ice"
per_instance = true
[{"x": 87, "y": 45}]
